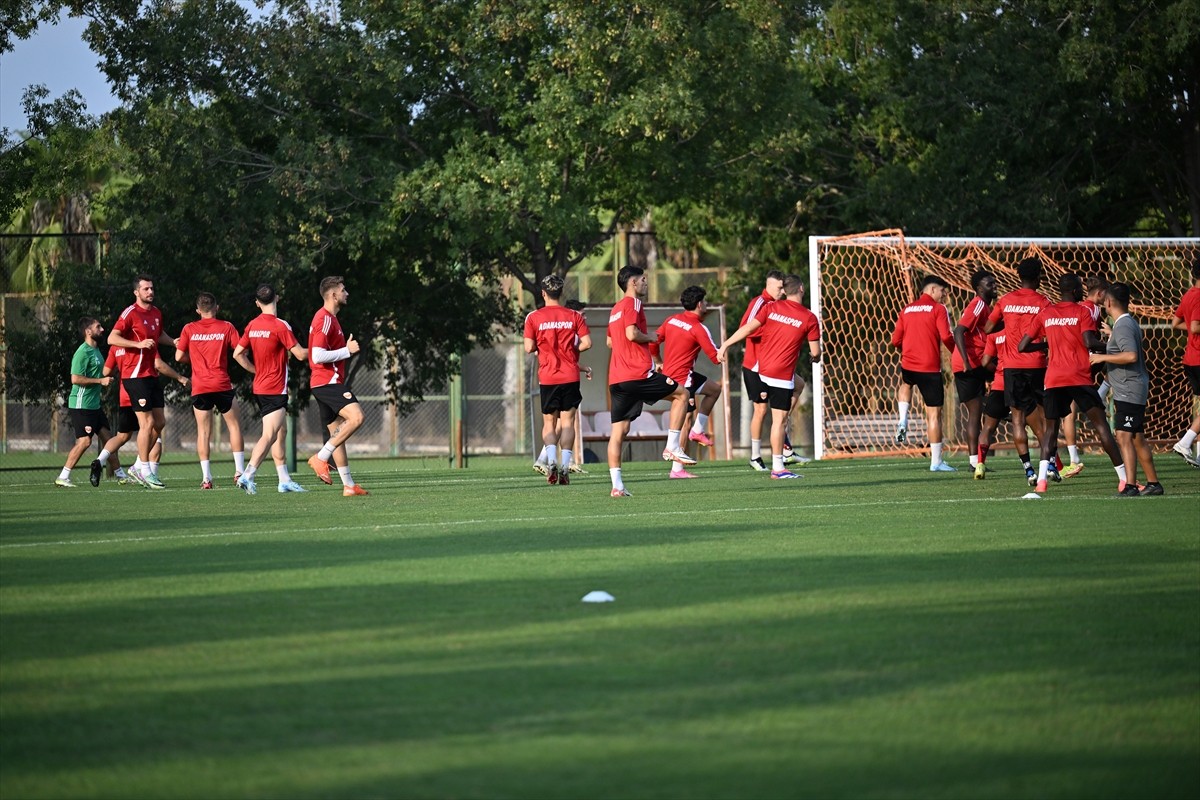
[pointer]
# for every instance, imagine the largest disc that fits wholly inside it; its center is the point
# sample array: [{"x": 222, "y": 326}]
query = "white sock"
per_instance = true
[
  {"x": 103, "y": 457},
  {"x": 551, "y": 454},
  {"x": 973, "y": 460},
  {"x": 903, "y": 414},
  {"x": 120, "y": 472},
  {"x": 542, "y": 455},
  {"x": 935, "y": 453},
  {"x": 615, "y": 474},
  {"x": 153, "y": 465},
  {"x": 673, "y": 440},
  {"x": 65, "y": 474},
  {"x": 1188, "y": 439},
  {"x": 676, "y": 467},
  {"x": 344, "y": 474},
  {"x": 282, "y": 471},
  {"x": 1043, "y": 469},
  {"x": 206, "y": 468},
  {"x": 756, "y": 448},
  {"x": 701, "y": 424},
  {"x": 567, "y": 457},
  {"x": 777, "y": 462},
  {"x": 1074, "y": 452},
  {"x": 249, "y": 473},
  {"x": 239, "y": 461},
  {"x": 325, "y": 453},
  {"x": 139, "y": 466},
  {"x": 1121, "y": 474}
]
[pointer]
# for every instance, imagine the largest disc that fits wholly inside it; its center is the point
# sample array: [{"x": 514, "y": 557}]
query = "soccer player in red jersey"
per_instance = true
[
  {"x": 207, "y": 343},
  {"x": 558, "y": 335},
  {"x": 268, "y": 340},
  {"x": 785, "y": 326},
  {"x": 756, "y": 390},
  {"x": 1067, "y": 332},
  {"x": 1187, "y": 319},
  {"x": 127, "y": 423},
  {"x": 1024, "y": 373},
  {"x": 329, "y": 351},
  {"x": 680, "y": 340},
  {"x": 139, "y": 330},
  {"x": 1093, "y": 300},
  {"x": 922, "y": 329},
  {"x": 632, "y": 380},
  {"x": 970, "y": 378}
]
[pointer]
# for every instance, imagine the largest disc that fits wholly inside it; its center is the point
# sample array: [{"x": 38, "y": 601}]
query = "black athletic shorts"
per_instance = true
[
  {"x": 331, "y": 399},
  {"x": 628, "y": 396},
  {"x": 756, "y": 390},
  {"x": 994, "y": 405},
  {"x": 1129, "y": 417},
  {"x": 558, "y": 397},
  {"x": 88, "y": 422},
  {"x": 779, "y": 397},
  {"x": 1192, "y": 372},
  {"x": 1023, "y": 388},
  {"x": 695, "y": 381},
  {"x": 1057, "y": 402},
  {"x": 270, "y": 403},
  {"x": 930, "y": 384},
  {"x": 971, "y": 384},
  {"x": 145, "y": 394},
  {"x": 127, "y": 421},
  {"x": 221, "y": 401}
]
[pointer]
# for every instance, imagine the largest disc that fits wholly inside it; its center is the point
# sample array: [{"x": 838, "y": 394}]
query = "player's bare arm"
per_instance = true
[
  {"x": 166, "y": 369},
  {"x": 960, "y": 341},
  {"x": 117, "y": 340},
  {"x": 299, "y": 353},
  {"x": 530, "y": 345},
  {"x": 1028, "y": 345},
  {"x": 239, "y": 355},
  {"x": 585, "y": 343},
  {"x": 83, "y": 380}
]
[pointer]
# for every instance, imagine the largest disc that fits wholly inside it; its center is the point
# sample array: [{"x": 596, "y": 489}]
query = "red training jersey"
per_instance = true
[
  {"x": 680, "y": 339},
  {"x": 1188, "y": 311},
  {"x": 750, "y": 359},
  {"x": 138, "y": 324},
  {"x": 994, "y": 347},
  {"x": 115, "y": 360},
  {"x": 1062, "y": 325},
  {"x": 973, "y": 318},
  {"x": 785, "y": 326},
  {"x": 922, "y": 328},
  {"x": 209, "y": 343},
  {"x": 556, "y": 331},
  {"x": 326, "y": 332},
  {"x": 1017, "y": 310},
  {"x": 629, "y": 361},
  {"x": 268, "y": 338}
]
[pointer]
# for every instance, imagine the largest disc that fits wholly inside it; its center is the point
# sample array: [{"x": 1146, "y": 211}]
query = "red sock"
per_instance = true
[{"x": 983, "y": 448}]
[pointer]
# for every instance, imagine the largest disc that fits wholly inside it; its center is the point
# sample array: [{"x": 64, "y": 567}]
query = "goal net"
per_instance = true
[{"x": 861, "y": 282}]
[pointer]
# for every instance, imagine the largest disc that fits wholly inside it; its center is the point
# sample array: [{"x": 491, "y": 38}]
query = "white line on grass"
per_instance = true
[{"x": 506, "y": 520}]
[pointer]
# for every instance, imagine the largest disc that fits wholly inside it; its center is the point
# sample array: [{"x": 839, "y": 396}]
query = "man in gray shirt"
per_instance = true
[{"x": 1130, "y": 382}]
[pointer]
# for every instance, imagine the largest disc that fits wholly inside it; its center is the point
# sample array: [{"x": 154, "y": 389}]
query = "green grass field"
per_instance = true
[{"x": 870, "y": 631}]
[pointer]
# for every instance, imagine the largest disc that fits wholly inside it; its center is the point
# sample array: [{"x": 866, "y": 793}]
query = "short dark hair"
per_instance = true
[
  {"x": 84, "y": 324},
  {"x": 977, "y": 278},
  {"x": 206, "y": 302},
  {"x": 626, "y": 273},
  {"x": 265, "y": 294},
  {"x": 331, "y": 282},
  {"x": 933, "y": 280},
  {"x": 1095, "y": 281},
  {"x": 1029, "y": 270},
  {"x": 143, "y": 277},
  {"x": 1070, "y": 283},
  {"x": 575, "y": 305},
  {"x": 691, "y": 297},
  {"x": 793, "y": 286},
  {"x": 552, "y": 285},
  {"x": 1119, "y": 292},
  {"x": 776, "y": 274}
]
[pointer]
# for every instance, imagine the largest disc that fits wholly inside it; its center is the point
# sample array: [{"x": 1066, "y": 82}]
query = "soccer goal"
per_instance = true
[{"x": 860, "y": 282}]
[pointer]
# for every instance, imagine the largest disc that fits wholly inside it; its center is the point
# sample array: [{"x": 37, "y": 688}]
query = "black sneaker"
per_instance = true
[
  {"x": 1030, "y": 476},
  {"x": 1151, "y": 490},
  {"x": 1130, "y": 490},
  {"x": 901, "y": 435},
  {"x": 1054, "y": 475},
  {"x": 758, "y": 464},
  {"x": 95, "y": 472}
]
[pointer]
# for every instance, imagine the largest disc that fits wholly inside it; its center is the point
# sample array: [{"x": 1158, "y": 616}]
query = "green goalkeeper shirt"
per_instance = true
[{"x": 87, "y": 362}]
